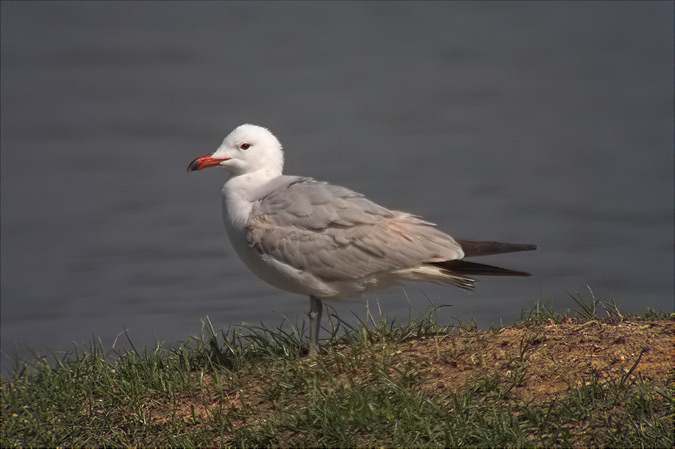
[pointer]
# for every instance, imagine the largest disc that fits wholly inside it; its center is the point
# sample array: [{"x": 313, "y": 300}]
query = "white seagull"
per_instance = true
[{"x": 313, "y": 238}]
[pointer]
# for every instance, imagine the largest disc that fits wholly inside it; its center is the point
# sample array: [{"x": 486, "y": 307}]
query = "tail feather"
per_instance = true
[
  {"x": 465, "y": 268},
  {"x": 472, "y": 249}
]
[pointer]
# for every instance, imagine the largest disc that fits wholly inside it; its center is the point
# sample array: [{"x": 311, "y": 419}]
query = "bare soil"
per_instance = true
[{"x": 554, "y": 356}]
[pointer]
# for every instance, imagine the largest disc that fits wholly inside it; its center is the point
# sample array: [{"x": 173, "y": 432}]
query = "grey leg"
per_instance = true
[{"x": 315, "y": 309}]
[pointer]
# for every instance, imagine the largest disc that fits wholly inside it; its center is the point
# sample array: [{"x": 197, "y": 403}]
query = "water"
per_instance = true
[{"x": 548, "y": 123}]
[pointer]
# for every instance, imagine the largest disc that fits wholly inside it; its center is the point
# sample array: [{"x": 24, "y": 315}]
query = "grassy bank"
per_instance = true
[{"x": 576, "y": 379}]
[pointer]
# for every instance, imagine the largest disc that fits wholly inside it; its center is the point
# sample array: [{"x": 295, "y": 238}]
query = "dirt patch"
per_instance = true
[{"x": 553, "y": 357}]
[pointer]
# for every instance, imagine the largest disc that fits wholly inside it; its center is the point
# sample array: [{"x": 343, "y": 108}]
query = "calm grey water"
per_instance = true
[{"x": 548, "y": 123}]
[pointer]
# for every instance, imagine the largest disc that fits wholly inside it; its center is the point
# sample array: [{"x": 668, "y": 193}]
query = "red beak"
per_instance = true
[{"x": 205, "y": 161}]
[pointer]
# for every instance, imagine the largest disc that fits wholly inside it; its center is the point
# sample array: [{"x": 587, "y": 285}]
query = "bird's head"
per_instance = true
[{"x": 247, "y": 149}]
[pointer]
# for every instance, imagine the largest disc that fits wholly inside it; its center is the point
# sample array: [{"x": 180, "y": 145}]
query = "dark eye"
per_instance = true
[{"x": 245, "y": 146}]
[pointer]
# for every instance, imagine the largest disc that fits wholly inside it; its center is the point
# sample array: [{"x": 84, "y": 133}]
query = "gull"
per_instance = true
[{"x": 313, "y": 238}]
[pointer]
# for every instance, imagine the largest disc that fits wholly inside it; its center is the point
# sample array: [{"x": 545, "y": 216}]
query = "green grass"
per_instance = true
[{"x": 251, "y": 386}]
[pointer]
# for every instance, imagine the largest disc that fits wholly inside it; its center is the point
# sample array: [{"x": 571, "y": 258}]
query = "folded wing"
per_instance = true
[{"x": 337, "y": 234}]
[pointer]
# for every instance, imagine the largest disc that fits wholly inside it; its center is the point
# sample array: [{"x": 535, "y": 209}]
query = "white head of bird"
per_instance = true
[{"x": 247, "y": 149}]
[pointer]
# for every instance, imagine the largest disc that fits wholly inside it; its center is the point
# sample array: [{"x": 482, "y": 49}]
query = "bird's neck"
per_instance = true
[{"x": 239, "y": 193}]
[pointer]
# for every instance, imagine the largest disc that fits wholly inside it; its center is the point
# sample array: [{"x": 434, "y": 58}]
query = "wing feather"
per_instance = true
[{"x": 337, "y": 234}]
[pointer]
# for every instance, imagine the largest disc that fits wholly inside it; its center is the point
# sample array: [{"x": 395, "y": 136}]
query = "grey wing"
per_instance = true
[{"x": 337, "y": 234}]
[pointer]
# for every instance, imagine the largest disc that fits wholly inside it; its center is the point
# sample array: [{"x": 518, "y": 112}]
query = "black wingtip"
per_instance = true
[
  {"x": 474, "y": 249},
  {"x": 467, "y": 268}
]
